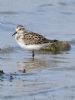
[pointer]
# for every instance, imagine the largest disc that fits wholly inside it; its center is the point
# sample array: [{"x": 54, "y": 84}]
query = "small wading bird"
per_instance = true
[{"x": 30, "y": 40}]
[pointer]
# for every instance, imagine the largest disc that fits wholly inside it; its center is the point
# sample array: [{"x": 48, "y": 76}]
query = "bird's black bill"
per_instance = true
[{"x": 14, "y": 33}]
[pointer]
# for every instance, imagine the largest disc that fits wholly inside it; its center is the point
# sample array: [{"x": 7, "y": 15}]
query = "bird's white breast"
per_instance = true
[{"x": 31, "y": 46}]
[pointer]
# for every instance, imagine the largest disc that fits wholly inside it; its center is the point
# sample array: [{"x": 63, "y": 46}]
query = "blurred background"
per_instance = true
[{"x": 49, "y": 76}]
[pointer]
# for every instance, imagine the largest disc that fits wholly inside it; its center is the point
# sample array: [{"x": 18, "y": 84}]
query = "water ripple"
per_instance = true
[
  {"x": 62, "y": 3},
  {"x": 46, "y": 5},
  {"x": 6, "y": 50}
]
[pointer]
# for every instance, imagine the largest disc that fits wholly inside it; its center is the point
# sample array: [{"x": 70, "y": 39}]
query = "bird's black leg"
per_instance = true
[{"x": 33, "y": 54}]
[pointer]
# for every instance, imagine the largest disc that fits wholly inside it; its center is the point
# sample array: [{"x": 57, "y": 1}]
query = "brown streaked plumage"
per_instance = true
[{"x": 34, "y": 38}]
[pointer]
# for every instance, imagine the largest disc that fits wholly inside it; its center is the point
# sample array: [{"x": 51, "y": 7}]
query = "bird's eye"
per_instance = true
[{"x": 20, "y": 29}]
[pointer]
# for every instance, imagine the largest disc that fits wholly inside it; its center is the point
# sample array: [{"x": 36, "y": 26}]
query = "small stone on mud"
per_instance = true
[{"x": 23, "y": 71}]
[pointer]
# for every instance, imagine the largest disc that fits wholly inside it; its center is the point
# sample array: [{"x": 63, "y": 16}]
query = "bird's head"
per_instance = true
[{"x": 19, "y": 29}]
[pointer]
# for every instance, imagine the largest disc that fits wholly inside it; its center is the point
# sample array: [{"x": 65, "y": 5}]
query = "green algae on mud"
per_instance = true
[{"x": 57, "y": 47}]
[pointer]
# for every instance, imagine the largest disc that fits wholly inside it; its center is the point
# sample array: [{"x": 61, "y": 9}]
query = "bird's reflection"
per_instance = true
[
  {"x": 36, "y": 64},
  {"x": 30, "y": 64}
]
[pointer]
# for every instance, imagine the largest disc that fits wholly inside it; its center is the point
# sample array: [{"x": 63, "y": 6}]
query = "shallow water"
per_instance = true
[{"x": 49, "y": 76}]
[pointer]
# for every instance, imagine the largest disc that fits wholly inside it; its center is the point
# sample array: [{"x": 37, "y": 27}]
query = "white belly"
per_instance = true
[{"x": 33, "y": 46}]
